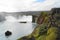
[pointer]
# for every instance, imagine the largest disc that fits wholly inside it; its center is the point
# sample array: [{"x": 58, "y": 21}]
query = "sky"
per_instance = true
[
  {"x": 27, "y": 5},
  {"x": 39, "y": 0}
]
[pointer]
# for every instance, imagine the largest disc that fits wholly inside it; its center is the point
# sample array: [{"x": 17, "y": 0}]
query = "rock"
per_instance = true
[{"x": 8, "y": 33}]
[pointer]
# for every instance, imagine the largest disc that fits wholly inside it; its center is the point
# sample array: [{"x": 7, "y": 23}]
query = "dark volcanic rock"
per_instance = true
[{"x": 8, "y": 33}]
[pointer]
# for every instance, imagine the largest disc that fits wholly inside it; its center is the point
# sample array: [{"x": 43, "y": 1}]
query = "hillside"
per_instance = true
[{"x": 48, "y": 28}]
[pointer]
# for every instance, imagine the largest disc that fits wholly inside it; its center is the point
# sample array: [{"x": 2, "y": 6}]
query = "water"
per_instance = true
[{"x": 18, "y": 29}]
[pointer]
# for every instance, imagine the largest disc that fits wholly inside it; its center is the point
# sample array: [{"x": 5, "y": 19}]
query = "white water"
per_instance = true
[{"x": 18, "y": 29}]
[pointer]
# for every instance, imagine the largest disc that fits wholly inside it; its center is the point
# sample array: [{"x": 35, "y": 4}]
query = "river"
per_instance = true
[{"x": 18, "y": 29}]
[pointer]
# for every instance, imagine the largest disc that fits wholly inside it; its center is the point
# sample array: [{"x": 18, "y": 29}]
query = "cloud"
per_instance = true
[
  {"x": 27, "y": 5},
  {"x": 46, "y": 5}
]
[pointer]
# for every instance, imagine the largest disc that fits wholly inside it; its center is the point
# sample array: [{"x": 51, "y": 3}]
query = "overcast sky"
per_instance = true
[{"x": 27, "y": 5}]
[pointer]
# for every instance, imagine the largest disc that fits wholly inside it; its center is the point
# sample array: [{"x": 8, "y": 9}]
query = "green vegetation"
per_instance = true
[
  {"x": 46, "y": 29},
  {"x": 51, "y": 33}
]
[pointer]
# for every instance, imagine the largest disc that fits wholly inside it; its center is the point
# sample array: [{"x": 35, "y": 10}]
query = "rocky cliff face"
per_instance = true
[{"x": 48, "y": 28}]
